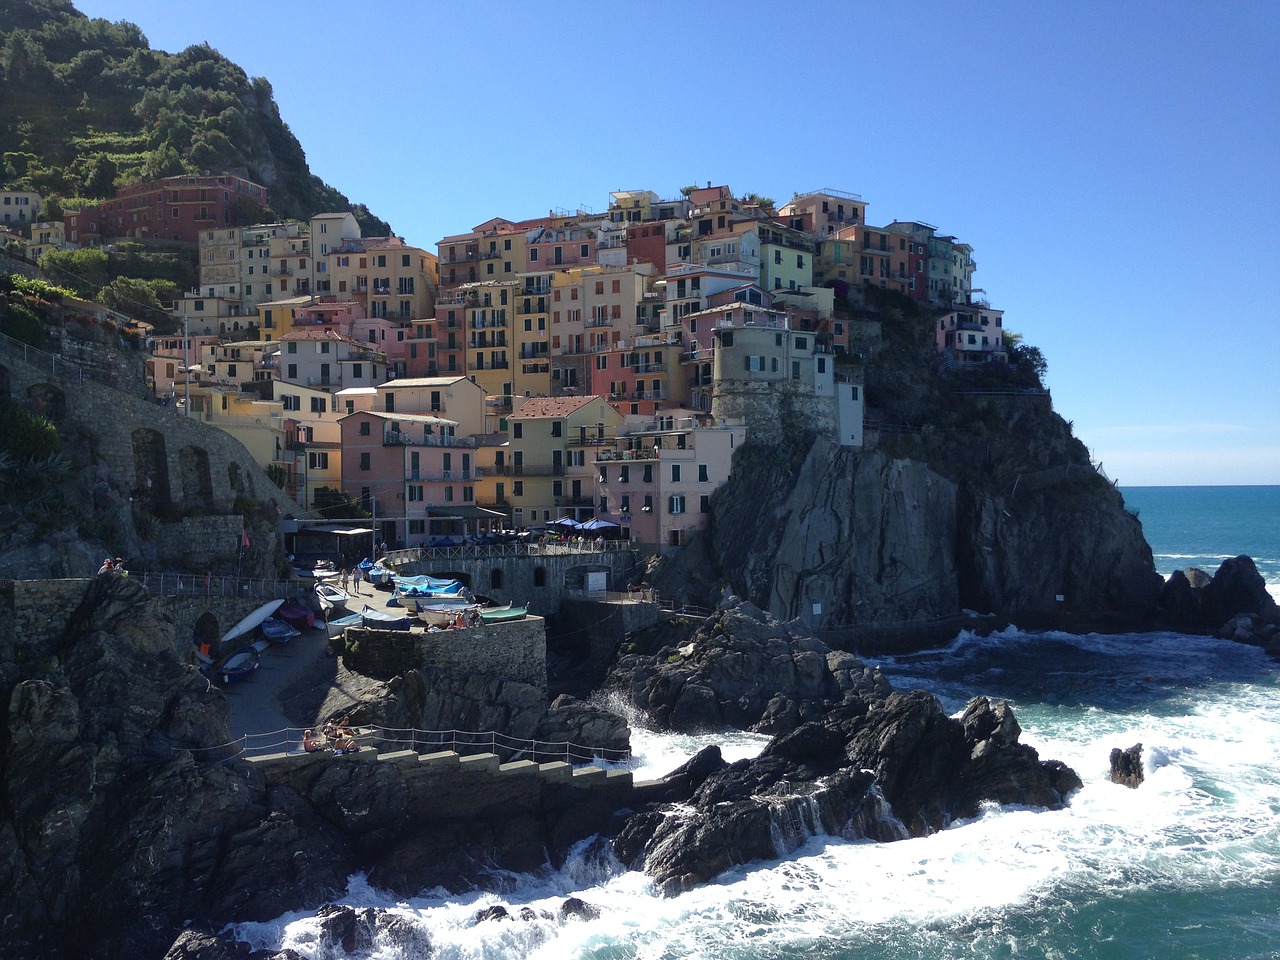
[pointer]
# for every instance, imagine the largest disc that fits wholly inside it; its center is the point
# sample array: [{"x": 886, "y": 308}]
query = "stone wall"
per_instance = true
[
  {"x": 774, "y": 410},
  {"x": 536, "y": 579},
  {"x": 510, "y": 651},
  {"x": 204, "y": 543},
  {"x": 34, "y": 613},
  {"x": 152, "y": 466}
]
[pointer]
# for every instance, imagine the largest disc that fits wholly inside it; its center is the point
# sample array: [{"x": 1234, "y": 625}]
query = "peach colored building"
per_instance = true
[
  {"x": 971, "y": 334},
  {"x": 414, "y": 469},
  {"x": 658, "y": 478}
]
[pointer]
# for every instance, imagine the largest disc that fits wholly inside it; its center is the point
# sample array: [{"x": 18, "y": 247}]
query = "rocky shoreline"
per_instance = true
[{"x": 116, "y": 841}]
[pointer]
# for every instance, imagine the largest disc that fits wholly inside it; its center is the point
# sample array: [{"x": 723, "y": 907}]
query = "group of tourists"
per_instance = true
[{"x": 339, "y": 737}]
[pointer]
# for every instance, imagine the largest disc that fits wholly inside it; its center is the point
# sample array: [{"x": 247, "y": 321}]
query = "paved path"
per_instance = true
[{"x": 288, "y": 689}]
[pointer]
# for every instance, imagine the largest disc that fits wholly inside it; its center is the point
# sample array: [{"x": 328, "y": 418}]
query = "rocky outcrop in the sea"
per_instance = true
[
  {"x": 1126, "y": 766},
  {"x": 743, "y": 668},
  {"x": 1234, "y": 603},
  {"x": 852, "y": 757}
]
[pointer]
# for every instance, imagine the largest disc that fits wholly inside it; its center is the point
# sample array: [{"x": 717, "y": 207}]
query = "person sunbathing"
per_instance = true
[
  {"x": 345, "y": 743},
  {"x": 311, "y": 743}
]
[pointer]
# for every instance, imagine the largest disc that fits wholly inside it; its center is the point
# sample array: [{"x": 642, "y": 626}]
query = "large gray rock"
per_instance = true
[{"x": 743, "y": 668}]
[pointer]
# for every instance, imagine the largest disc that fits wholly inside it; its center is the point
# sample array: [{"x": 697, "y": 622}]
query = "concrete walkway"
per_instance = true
[{"x": 293, "y": 680}]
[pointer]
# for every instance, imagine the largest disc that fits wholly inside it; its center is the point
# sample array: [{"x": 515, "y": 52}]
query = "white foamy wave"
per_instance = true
[{"x": 1204, "y": 819}]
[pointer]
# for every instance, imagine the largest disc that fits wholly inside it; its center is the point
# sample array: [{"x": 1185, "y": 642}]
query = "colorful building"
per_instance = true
[{"x": 547, "y": 459}]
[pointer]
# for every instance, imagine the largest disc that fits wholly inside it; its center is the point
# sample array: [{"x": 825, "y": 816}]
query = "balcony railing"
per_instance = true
[
  {"x": 530, "y": 470},
  {"x": 626, "y": 455},
  {"x": 398, "y": 438}
]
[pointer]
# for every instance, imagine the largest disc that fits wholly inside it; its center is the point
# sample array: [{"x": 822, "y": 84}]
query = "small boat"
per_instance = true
[
  {"x": 297, "y": 615},
  {"x": 378, "y": 620},
  {"x": 328, "y": 593},
  {"x": 336, "y": 627},
  {"x": 430, "y": 584},
  {"x": 251, "y": 621},
  {"x": 503, "y": 613},
  {"x": 442, "y": 612},
  {"x": 239, "y": 665},
  {"x": 278, "y": 631},
  {"x": 380, "y": 575}
]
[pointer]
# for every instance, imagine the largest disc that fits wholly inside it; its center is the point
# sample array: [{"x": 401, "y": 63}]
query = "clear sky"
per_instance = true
[{"x": 1113, "y": 164}]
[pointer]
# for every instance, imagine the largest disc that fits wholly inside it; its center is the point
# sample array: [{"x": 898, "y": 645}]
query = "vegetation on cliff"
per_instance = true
[{"x": 86, "y": 106}]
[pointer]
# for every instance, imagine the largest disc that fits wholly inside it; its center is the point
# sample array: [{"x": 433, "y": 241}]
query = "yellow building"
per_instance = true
[
  {"x": 46, "y": 235},
  {"x": 275, "y": 317},
  {"x": 488, "y": 307},
  {"x": 550, "y": 459}
]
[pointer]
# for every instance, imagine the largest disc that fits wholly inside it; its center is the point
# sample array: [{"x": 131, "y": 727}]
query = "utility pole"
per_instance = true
[{"x": 186, "y": 365}]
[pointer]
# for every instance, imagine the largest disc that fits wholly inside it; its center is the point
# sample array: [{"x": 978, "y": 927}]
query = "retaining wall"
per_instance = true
[{"x": 511, "y": 651}]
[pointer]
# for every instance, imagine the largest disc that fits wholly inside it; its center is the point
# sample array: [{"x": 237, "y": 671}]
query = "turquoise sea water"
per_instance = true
[
  {"x": 1202, "y": 526},
  {"x": 1186, "y": 866}
]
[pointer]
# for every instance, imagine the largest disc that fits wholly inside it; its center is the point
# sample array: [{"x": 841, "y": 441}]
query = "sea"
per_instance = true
[{"x": 1185, "y": 866}]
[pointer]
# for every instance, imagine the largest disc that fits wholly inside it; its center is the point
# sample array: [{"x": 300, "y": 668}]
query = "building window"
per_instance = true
[
  {"x": 415, "y": 493},
  {"x": 702, "y": 473},
  {"x": 517, "y": 431},
  {"x": 364, "y": 428},
  {"x": 364, "y": 461},
  {"x": 675, "y": 473},
  {"x": 675, "y": 504},
  {"x": 318, "y": 461},
  {"x": 557, "y": 428},
  {"x": 704, "y": 503}
]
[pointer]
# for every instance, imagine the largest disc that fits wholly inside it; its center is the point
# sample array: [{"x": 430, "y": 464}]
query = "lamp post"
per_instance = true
[{"x": 186, "y": 365}]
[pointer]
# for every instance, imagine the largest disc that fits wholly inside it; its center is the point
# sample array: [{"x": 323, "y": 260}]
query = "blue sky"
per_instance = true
[{"x": 1113, "y": 165}]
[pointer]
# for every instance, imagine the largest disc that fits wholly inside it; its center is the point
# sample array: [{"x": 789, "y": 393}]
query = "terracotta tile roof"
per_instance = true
[{"x": 552, "y": 408}]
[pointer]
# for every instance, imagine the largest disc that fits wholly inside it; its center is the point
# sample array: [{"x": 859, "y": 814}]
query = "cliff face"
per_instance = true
[{"x": 999, "y": 519}]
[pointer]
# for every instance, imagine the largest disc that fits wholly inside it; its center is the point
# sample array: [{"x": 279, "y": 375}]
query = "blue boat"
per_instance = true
[
  {"x": 278, "y": 631},
  {"x": 378, "y": 620}
]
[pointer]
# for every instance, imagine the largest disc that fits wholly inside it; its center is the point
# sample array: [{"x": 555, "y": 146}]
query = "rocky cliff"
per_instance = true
[
  {"x": 119, "y": 825},
  {"x": 1002, "y": 519}
]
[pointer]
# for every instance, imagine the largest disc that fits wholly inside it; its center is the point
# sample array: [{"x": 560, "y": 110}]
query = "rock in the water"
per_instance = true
[
  {"x": 1126, "y": 766},
  {"x": 576, "y": 909},
  {"x": 742, "y": 668}
]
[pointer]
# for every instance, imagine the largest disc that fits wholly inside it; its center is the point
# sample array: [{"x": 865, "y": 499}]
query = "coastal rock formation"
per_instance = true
[
  {"x": 119, "y": 826},
  {"x": 1126, "y": 766},
  {"x": 1006, "y": 522},
  {"x": 853, "y": 758},
  {"x": 742, "y": 668},
  {"x": 1234, "y": 603}
]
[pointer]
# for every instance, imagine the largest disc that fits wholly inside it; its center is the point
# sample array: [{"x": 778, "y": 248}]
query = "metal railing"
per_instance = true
[
  {"x": 61, "y": 367},
  {"x": 209, "y": 585},
  {"x": 288, "y": 740}
]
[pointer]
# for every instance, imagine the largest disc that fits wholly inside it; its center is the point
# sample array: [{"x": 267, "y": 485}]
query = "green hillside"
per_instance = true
[{"x": 86, "y": 106}]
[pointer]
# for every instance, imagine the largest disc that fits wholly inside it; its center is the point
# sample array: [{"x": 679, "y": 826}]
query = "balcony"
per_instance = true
[
  {"x": 398, "y": 438},
  {"x": 281, "y": 272},
  {"x": 324, "y": 382},
  {"x": 644, "y": 453},
  {"x": 658, "y": 367},
  {"x": 530, "y": 470},
  {"x": 492, "y": 365}
]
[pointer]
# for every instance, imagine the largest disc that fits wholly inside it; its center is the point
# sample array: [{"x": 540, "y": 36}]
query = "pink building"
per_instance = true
[
  {"x": 415, "y": 470},
  {"x": 971, "y": 334}
]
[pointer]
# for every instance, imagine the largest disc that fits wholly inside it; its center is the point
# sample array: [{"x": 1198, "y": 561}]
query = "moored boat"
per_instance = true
[
  {"x": 337, "y": 626},
  {"x": 297, "y": 614},
  {"x": 333, "y": 596},
  {"x": 503, "y": 613},
  {"x": 278, "y": 631},
  {"x": 251, "y": 621},
  {"x": 239, "y": 665},
  {"x": 441, "y": 613}
]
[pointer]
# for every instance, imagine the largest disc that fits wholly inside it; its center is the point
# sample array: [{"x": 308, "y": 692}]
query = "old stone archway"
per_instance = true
[
  {"x": 150, "y": 467},
  {"x": 205, "y": 629},
  {"x": 236, "y": 478},
  {"x": 197, "y": 485},
  {"x": 47, "y": 400}
]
